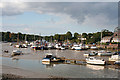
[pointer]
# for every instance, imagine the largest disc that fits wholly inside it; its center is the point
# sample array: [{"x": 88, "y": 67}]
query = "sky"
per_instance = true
[{"x": 49, "y": 18}]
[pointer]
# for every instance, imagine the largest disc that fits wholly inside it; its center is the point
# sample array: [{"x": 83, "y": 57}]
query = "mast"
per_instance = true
[
  {"x": 26, "y": 37},
  {"x": 40, "y": 36}
]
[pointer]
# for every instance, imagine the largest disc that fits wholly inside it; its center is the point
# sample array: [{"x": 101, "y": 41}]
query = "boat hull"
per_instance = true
[{"x": 96, "y": 62}]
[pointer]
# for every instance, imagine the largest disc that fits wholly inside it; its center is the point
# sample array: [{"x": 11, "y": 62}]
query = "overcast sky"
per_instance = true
[{"x": 49, "y": 18}]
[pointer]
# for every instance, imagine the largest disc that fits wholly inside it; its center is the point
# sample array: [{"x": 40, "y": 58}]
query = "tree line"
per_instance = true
[{"x": 76, "y": 37}]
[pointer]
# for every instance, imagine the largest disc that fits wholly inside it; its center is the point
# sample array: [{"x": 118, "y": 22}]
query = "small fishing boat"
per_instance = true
[
  {"x": 16, "y": 52},
  {"x": 93, "y": 60}
]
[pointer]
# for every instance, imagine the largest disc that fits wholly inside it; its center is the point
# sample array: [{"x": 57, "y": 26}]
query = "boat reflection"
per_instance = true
[
  {"x": 95, "y": 67},
  {"x": 49, "y": 64}
]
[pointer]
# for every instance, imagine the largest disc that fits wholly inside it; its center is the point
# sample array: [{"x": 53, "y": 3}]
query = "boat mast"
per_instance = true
[{"x": 26, "y": 37}]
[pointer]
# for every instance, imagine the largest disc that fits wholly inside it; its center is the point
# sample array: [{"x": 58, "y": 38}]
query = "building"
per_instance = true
[
  {"x": 114, "y": 38},
  {"x": 106, "y": 39}
]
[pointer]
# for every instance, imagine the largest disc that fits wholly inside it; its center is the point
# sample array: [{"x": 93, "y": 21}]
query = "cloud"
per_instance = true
[
  {"x": 75, "y": 10},
  {"x": 83, "y": 13}
]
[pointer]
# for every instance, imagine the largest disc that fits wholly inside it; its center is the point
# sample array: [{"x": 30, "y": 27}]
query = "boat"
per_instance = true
[
  {"x": 18, "y": 46},
  {"x": 94, "y": 53},
  {"x": 74, "y": 47},
  {"x": 24, "y": 46},
  {"x": 50, "y": 58},
  {"x": 59, "y": 47},
  {"x": 50, "y": 46},
  {"x": 105, "y": 53},
  {"x": 93, "y": 60},
  {"x": 16, "y": 52},
  {"x": 115, "y": 57},
  {"x": 117, "y": 62},
  {"x": 93, "y": 47},
  {"x": 10, "y": 44}
]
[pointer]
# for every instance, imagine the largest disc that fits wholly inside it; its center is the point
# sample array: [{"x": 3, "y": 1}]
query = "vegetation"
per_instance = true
[{"x": 90, "y": 37}]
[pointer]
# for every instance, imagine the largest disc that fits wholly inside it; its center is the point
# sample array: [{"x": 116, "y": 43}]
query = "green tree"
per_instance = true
[
  {"x": 76, "y": 35},
  {"x": 84, "y": 35},
  {"x": 69, "y": 35}
]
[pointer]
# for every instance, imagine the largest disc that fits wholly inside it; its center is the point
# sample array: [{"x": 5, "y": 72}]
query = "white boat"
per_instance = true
[
  {"x": 105, "y": 53},
  {"x": 47, "y": 57},
  {"x": 57, "y": 46},
  {"x": 117, "y": 62},
  {"x": 114, "y": 58},
  {"x": 50, "y": 58},
  {"x": 17, "y": 46},
  {"x": 24, "y": 46},
  {"x": 93, "y": 47},
  {"x": 93, "y": 60},
  {"x": 74, "y": 47},
  {"x": 16, "y": 52},
  {"x": 10, "y": 44},
  {"x": 86, "y": 55}
]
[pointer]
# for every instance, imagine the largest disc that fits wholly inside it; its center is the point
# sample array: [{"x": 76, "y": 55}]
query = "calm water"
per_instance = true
[{"x": 61, "y": 70}]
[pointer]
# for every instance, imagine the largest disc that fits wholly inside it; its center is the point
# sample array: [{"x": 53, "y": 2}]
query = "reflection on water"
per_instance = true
[
  {"x": 61, "y": 70},
  {"x": 95, "y": 67}
]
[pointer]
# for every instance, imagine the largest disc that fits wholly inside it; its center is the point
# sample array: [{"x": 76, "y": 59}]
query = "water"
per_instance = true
[{"x": 58, "y": 69}]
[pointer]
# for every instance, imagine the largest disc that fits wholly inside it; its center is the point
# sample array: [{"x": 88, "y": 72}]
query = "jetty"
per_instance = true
[{"x": 82, "y": 61}]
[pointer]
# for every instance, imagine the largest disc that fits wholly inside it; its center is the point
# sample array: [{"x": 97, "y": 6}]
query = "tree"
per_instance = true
[
  {"x": 76, "y": 35},
  {"x": 57, "y": 37},
  {"x": 7, "y": 36},
  {"x": 84, "y": 35},
  {"x": 69, "y": 35}
]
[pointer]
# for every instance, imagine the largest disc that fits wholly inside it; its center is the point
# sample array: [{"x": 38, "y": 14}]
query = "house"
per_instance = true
[
  {"x": 106, "y": 39},
  {"x": 116, "y": 39}
]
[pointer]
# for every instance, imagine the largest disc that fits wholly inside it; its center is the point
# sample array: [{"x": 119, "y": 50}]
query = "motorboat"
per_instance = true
[
  {"x": 10, "y": 44},
  {"x": 93, "y": 47},
  {"x": 105, "y": 53},
  {"x": 74, "y": 47},
  {"x": 50, "y": 58},
  {"x": 94, "y": 53},
  {"x": 18, "y": 46},
  {"x": 93, "y": 60},
  {"x": 57, "y": 46},
  {"x": 16, "y": 52},
  {"x": 24, "y": 46},
  {"x": 50, "y": 46},
  {"x": 115, "y": 57}
]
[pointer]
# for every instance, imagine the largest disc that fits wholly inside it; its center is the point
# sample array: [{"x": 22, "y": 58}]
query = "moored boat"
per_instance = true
[
  {"x": 105, "y": 53},
  {"x": 50, "y": 58},
  {"x": 16, "y": 52},
  {"x": 93, "y": 60}
]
